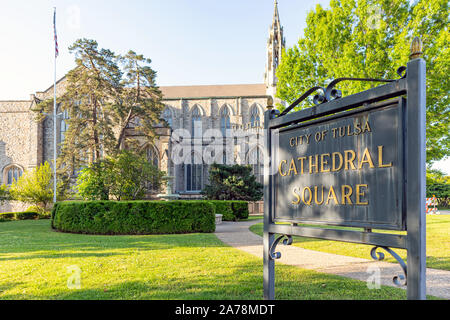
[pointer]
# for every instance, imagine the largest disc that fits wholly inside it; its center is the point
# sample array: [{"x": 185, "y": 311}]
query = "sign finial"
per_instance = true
[
  {"x": 269, "y": 103},
  {"x": 416, "y": 48}
]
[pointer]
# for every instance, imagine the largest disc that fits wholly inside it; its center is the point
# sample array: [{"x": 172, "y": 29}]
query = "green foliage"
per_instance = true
[
  {"x": 134, "y": 217},
  {"x": 232, "y": 182},
  {"x": 231, "y": 210},
  {"x": 4, "y": 193},
  {"x": 93, "y": 181},
  {"x": 26, "y": 215},
  {"x": 105, "y": 95},
  {"x": 371, "y": 39},
  {"x": 438, "y": 184},
  {"x": 122, "y": 177},
  {"x": 34, "y": 186}
]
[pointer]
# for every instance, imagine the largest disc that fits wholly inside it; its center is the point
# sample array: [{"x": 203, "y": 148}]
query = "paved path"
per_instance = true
[{"x": 238, "y": 235}]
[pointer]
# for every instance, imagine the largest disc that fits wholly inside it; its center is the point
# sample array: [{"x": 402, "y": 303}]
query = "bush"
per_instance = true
[
  {"x": 34, "y": 186},
  {"x": 232, "y": 210},
  {"x": 125, "y": 176},
  {"x": 134, "y": 217},
  {"x": 6, "y": 216},
  {"x": 232, "y": 182},
  {"x": 26, "y": 215}
]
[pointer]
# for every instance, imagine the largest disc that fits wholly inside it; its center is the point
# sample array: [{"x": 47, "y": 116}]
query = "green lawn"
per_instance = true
[
  {"x": 34, "y": 261},
  {"x": 438, "y": 244}
]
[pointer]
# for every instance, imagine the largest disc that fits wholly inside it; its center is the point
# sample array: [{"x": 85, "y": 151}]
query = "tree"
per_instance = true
[
  {"x": 232, "y": 182},
  {"x": 371, "y": 39},
  {"x": 93, "y": 181},
  {"x": 438, "y": 184},
  {"x": 105, "y": 93},
  {"x": 139, "y": 101},
  {"x": 34, "y": 186},
  {"x": 125, "y": 176},
  {"x": 4, "y": 193}
]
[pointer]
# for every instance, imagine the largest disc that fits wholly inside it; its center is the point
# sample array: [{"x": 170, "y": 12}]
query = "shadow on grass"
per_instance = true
[
  {"x": 22, "y": 237},
  {"x": 241, "y": 282}
]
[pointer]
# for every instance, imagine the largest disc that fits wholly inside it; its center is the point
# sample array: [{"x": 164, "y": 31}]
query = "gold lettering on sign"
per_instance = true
[
  {"x": 314, "y": 165},
  {"x": 292, "y": 167},
  {"x": 324, "y": 162},
  {"x": 341, "y": 161},
  {"x": 332, "y": 194},
  {"x": 380, "y": 159},
  {"x": 316, "y": 197},
  {"x": 279, "y": 168},
  {"x": 360, "y": 194},
  {"x": 346, "y": 194},
  {"x": 297, "y": 196},
  {"x": 310, "y": 196},
  {"x": 349, "y": 160},
  {"x": 366, "y": 158},
  {"x": 301, "y": 159}
]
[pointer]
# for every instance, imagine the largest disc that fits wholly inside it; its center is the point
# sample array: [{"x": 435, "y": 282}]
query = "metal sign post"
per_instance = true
[{"x": 355, "y": 161}]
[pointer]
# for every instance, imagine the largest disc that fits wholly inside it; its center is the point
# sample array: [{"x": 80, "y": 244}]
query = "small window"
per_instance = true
[
  {"x": 152, "y": 158},
  {"x": 254, "y": 116},
  {"x": 13, "y": 173},
  {"x": 225, "y": 121},
  {"x": 167, "y": 115},
  {"x": 194, "y": 174},
  {"x": 196, "y": 123}
]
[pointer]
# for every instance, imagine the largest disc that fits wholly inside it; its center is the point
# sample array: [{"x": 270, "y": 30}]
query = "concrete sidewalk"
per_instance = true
[{"x": 238, "y": 235}]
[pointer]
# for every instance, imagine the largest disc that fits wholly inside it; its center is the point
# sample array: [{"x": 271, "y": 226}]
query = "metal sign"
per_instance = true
[{"x": 355, "y": 161}]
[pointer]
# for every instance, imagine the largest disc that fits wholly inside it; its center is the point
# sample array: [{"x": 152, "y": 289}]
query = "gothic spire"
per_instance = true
[{"x": 275, "y": 44}]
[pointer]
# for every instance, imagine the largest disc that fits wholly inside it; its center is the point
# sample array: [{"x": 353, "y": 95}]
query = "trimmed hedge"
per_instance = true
[
  {"x": 232, "y": 210},
  {"x": 10, "y": 216},
  {"x": 134, "y": 217}
]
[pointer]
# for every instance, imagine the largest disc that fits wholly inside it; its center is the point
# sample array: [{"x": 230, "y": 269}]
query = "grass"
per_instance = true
[
  {"x": 438, "y": 243},
  {"x": 34, "y": 263}
]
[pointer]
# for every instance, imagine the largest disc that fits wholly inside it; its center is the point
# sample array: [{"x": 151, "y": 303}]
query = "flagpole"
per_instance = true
[{"x": 54, "y": 116}]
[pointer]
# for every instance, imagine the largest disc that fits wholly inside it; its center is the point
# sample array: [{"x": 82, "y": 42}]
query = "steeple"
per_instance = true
[{"x": 275, "y": 44}]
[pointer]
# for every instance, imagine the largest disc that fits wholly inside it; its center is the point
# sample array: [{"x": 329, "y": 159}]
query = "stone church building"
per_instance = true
[{"x": 234, "y": 111}]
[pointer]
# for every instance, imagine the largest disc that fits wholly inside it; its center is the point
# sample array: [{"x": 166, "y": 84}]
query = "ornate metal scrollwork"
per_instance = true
[
  {"x": 399, "y": 280},
  {"x": 277, "y": 255},
  {"x": 331, "y": 93}
]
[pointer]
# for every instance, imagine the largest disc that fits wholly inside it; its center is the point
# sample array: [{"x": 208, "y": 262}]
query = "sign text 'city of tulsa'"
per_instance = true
[{"x": 345, "y": 170}]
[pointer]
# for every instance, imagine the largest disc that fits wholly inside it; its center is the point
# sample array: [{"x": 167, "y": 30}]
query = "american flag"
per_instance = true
[{"x": 56, "y": 37}]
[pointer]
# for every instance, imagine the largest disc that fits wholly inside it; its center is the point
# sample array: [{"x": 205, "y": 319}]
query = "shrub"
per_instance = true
[
  {"x": 134, "y": 217},
  {"x": 26, "y": 215},
  {"x": 232, "y": 182},
  {"x": 125, "y": 176},
  {"x": 34, "y": 186},
  {"x": 6, "y": 216},
  {"x": 232, "y": 210},
  {"x": 4, "y": 193}
]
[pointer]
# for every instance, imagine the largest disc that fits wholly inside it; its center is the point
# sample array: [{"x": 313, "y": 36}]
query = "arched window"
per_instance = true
[
  {"x": 11, "y": 174},
  {"x": 167, "y": 115},
  {"x": 255, "y": 159},
  {"x": 225, "y": 120},
  {"x": 196, "y": 123},
  {"x": 64, "y": 126},
  {"x": 254, "y": 116},
  {"x": 152, "y": 158},
  {"x": 194, "y": 173}
]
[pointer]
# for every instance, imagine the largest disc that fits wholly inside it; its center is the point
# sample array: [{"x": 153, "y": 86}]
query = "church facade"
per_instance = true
[{"x": 206, "y": 124}]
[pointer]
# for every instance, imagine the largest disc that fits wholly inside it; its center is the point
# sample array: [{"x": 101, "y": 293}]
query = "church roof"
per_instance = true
[{"x": 211, "y": 91}]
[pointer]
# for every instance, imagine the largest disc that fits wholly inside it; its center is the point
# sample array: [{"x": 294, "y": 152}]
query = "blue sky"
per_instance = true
[{"x": 189, "y": 41}]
